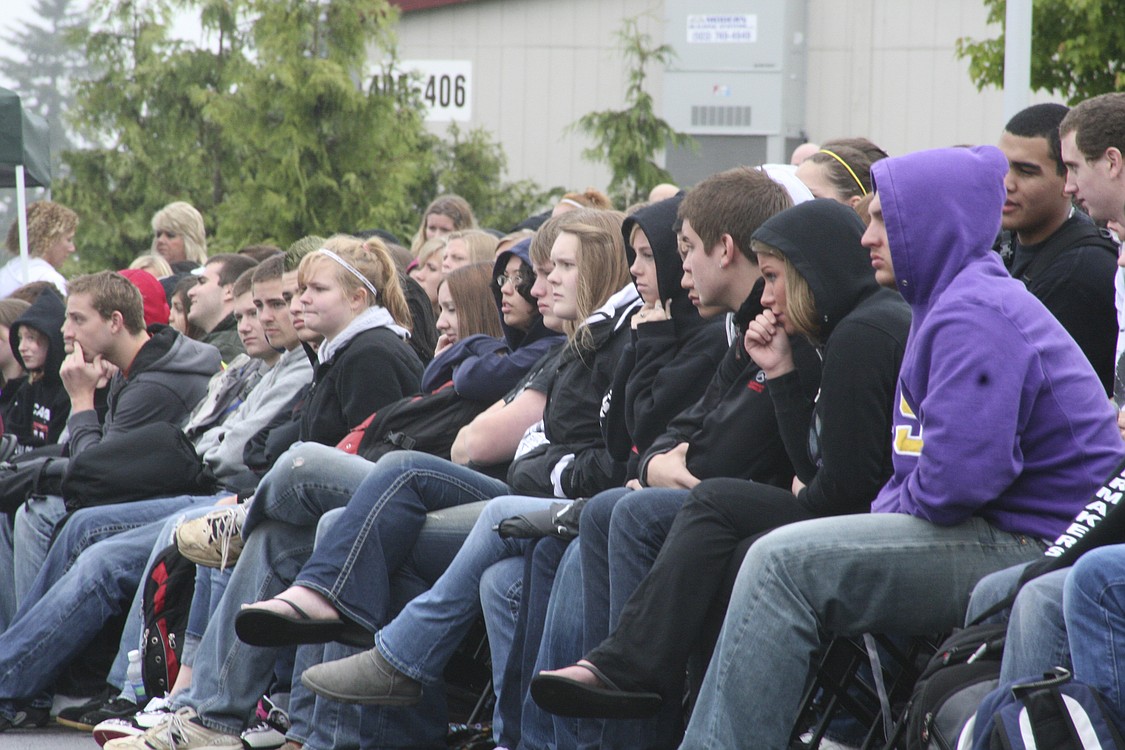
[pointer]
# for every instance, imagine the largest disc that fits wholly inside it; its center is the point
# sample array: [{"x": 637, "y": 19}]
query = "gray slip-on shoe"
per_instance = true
[{"x": 365, "y": 678}]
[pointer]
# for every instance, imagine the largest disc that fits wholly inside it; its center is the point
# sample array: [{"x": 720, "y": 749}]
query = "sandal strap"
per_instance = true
[
  {"x": 300, "y": 612},
  {"x": 600, "y": 675}
]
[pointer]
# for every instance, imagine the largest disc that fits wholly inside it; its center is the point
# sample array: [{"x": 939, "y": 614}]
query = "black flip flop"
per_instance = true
[
  {"x": 262, "y": 627},
  {"x": 563, "y": 696}
]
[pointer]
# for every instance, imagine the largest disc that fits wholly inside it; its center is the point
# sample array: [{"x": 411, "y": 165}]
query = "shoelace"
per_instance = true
[
  {"x": 175, "y": 731},
  {"x": 223, "y": 527}
]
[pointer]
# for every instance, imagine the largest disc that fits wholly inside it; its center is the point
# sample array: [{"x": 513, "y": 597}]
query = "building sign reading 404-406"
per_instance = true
[{"x": 444, "y": 86}]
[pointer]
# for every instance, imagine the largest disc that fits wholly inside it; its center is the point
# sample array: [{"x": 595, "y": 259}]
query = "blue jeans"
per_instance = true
[
  {"x": 806, "y": 582},
  {"x": 622, "y": 533},
  {"x": 534, "y": 578},
  {"x": 559, "y": 647},
  {"x": 1036, "y": 640},
  {"x": 306, "y": 481},
  {"x": 320, "y": 724},
  {"x": 7, "y": 573},
  {"x": 501, "y": 590},
  {"x": 420, "y": 640},
  {"x": 631, "y": 527},
  {"x": 62, "y": 612},
  {"x": 39, "y": 561},
  {"x": 1094, "y": 606},
  {"x": 353, "y": 570}
]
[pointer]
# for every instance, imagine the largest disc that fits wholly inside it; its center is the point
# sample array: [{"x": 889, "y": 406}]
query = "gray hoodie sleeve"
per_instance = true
[{"x": 277, "y": 388}]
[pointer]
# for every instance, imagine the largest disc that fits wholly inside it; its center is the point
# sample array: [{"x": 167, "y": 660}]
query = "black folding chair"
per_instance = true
[{"x": 871, "y": 689}]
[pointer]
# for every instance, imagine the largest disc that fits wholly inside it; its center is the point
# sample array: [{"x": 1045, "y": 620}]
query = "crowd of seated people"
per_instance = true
[{"x": 659, "y": 454}]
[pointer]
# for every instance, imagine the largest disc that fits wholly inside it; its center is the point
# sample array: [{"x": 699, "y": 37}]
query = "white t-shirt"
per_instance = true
[{"x": 11, "y": 275}]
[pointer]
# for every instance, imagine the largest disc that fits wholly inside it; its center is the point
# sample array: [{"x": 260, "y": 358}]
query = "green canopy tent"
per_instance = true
[{"x": 25, "y": 157}]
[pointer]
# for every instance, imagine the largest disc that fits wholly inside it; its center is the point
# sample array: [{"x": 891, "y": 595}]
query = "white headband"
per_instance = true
[
  {"x": 351, "y": 269},
  {"x": 572, "y": 202}
]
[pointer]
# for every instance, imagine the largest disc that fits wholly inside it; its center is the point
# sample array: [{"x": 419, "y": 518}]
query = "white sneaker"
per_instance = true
[{"x": 178, "y": 731}]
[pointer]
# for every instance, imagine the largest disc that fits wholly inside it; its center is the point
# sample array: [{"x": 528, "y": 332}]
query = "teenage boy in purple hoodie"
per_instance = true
[{"x": 1001, "y": 434}]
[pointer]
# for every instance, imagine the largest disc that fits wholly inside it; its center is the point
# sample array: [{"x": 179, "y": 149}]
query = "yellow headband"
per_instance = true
[{"x": 850, "y": 170}]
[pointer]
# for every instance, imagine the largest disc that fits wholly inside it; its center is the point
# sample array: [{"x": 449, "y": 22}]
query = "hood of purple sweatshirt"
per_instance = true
[{"x": 998, "y": 413}]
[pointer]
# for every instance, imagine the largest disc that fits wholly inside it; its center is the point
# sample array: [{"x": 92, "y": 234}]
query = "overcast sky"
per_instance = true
[{"x": 15, "y": 13}]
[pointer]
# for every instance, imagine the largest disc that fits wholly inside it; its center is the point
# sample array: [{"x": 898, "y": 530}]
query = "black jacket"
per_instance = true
[
  {"x": 1071, "y": 273},
  {"x": 667, "y": 364},
  {"x": 572, "y": 418},
  {"x": 840, "y": 444},
  {"x": 732, "y": 431},
  {"x": 38, "y": 410},
  {"x": 372, "y": 369}
]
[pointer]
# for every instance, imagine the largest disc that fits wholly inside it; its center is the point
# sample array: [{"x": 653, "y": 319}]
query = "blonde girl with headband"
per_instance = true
[
  {"x": 839, "y": 172},
  {"x": 445, "y": 214},
  {"x": 178, "y": 234},
  {"x": 349, "y": 294}
]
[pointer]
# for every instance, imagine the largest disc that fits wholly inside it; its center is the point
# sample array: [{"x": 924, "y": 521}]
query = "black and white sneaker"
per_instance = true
[
  {"x": 135, "y": 724},
  {"x": 268, "y": 733},
  {"x": 87, "y": 716}
]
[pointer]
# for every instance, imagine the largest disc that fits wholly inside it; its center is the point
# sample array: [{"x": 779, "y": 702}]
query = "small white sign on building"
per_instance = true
[
  {"x": 444, "y": 86},
  {"x": 722, "y": 29}
]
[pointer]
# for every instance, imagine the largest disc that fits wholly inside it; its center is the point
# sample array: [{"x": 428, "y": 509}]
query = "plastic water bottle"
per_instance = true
[{"x": 134, "y": 677}]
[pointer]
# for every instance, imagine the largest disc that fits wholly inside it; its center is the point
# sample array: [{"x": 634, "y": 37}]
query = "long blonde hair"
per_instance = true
[
  {"x": 800, "y": 306},
  {"x": 603, "y": 268},
  {"x": 372, "y": 259}
]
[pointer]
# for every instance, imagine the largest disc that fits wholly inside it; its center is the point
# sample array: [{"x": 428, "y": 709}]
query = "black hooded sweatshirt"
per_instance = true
[
  {"x": 731, "y": 431},
  {"x": 38, "y": 411},
  {"x": 667, "y": 364},
  {"x": 840, "y": 442}
]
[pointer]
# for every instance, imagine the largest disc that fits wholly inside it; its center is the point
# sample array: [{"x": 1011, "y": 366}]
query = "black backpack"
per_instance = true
[
  {"x": 154, "y": 460},
  {"x": 427, "y": 423},
  {"x": 965, "y": 668},
  {"x": 169, "y": 588}
]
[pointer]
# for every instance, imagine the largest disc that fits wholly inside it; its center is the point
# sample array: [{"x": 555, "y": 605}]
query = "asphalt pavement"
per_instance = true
[{"x": 51, "y": 737}]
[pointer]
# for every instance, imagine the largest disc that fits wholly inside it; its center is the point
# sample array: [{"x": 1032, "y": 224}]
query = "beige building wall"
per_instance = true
[
  {"x": 881, "y": 68},
  {"x": 887, "y": 69},
  {"x": 538, "y": 65}
]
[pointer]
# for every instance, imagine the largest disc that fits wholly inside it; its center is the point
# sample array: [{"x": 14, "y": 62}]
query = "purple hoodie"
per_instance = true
[{"x": 998, "y": 413}]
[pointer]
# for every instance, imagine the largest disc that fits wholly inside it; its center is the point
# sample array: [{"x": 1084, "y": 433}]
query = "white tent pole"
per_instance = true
[{"x": 21, "y": 208}]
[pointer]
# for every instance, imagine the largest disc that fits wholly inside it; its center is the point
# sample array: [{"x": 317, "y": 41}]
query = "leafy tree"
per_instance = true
[
  {"x": 270, "y": 131},
  {"x": 472, "y": 165},
  {"x": 627, "y": 139},
  {"x": 1077, "y": 48}
]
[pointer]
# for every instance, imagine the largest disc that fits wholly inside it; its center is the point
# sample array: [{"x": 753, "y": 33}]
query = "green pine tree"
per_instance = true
[
  {"x": 1077, "y": 48},
  {"x": 627, "y": 139}
]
